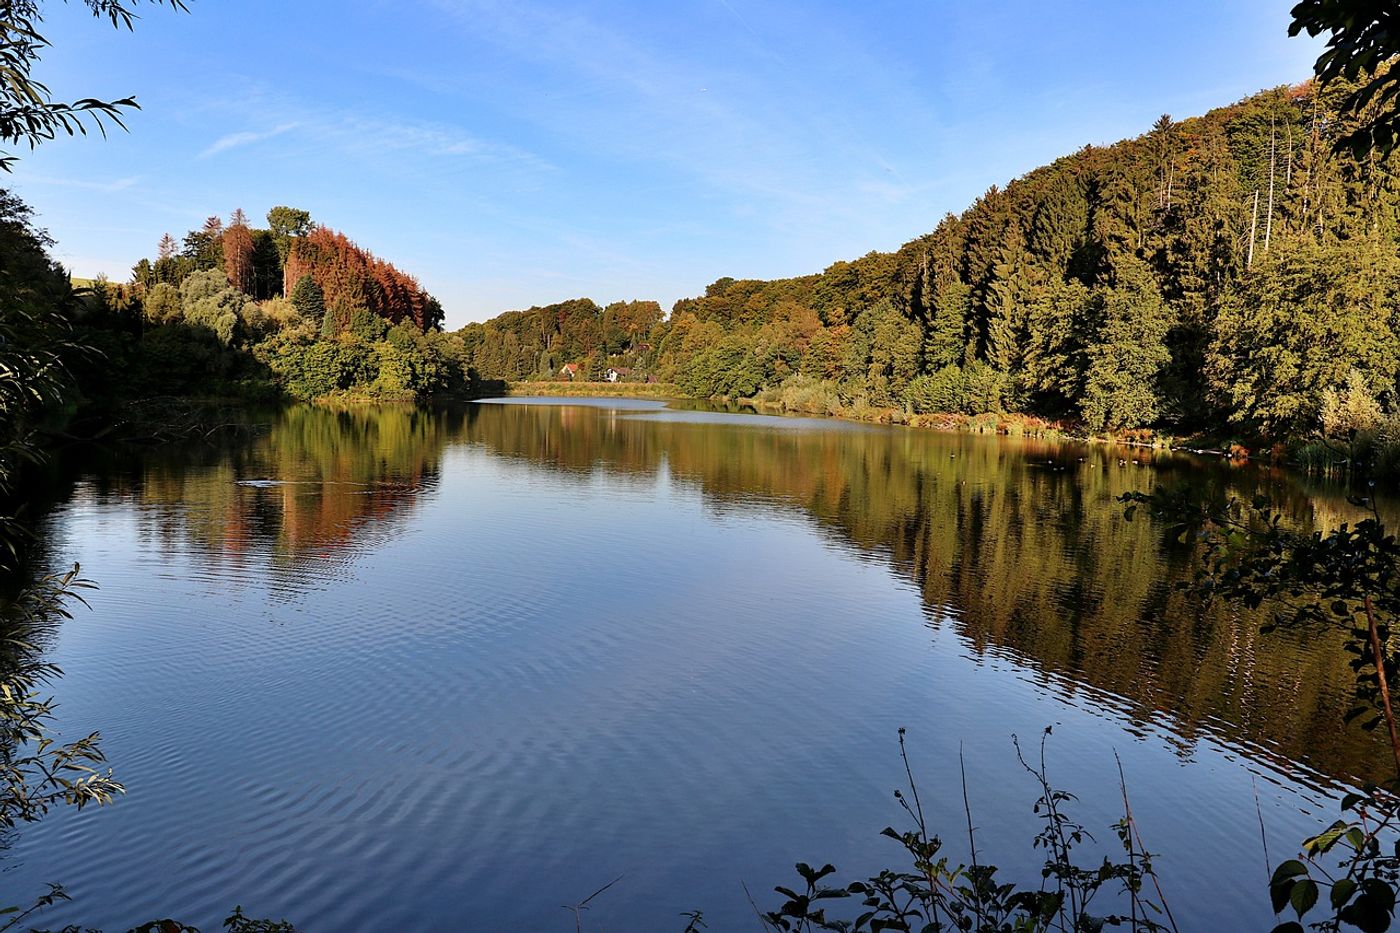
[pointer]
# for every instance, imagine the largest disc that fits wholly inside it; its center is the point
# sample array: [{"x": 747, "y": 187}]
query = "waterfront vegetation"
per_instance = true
[
  {"x": 1234, "y": 276},
  {"x": 1172, "y": 288}
]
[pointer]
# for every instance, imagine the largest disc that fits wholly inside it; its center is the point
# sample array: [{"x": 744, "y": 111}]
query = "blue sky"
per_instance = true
[{"x": 511, "y": 154}]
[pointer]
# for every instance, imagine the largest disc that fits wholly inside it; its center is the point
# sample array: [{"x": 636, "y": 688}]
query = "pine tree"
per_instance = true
[
  {"x": 1006, "y": 295},
  {"x": 1121, "y": 383},
  {"x": 308, "y": 299}
]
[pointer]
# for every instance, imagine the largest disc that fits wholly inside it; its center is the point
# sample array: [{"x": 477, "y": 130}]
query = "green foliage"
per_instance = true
[
  {"x": 729, "y": 368},
  {"x": 1363, "y": 43},
  {"x": 162, "y": 304},
  {"x": 974, "y": 390},
  {"x": 285, "y": 224},
  {"x": 28, "y": 113},
  {"x": 1297, "y": 324},
  {"x": 308, "y": 299},
  {"x": 884, "y": 353},
  {"x": 208, "y": 301},
  {"x": 366, "y": 326},
  {"x": 936, "y": 893},
  {"x": 803, "y": 393},
  {"x": 406, "y": 364},
  {"x": 38, "y": 772},
  {"x": 1352, "y": 410},
  {"x": 1121, "y": 383},
  {"x": 36, "y": 338},
  {"x": 1348, "y": 578}
]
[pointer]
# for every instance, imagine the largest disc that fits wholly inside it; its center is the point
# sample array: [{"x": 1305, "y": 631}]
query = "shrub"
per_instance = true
[
  {"x": 814, "y": 396},
  {"x": 1352, "y": 409},
  {"x": 974, "y": 390}
]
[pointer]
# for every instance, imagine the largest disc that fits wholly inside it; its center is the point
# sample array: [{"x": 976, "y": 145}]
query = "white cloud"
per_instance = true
[{"x": 246, "y": 138}]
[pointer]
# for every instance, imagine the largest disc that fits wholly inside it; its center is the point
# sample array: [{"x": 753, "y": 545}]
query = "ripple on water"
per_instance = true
[{"x": 615, "y": 640}]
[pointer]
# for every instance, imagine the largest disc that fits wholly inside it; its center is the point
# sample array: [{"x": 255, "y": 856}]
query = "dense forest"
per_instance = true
[
  {"x": 294, "y": 308},
  {"x": 1235, "y": 275},
  {"x": 1229, "y": 273}
]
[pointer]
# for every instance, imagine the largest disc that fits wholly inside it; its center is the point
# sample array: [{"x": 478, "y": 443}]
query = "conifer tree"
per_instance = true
[
  {"x": 308, "y": 299},
  {"x": 1121, "y": 382}
]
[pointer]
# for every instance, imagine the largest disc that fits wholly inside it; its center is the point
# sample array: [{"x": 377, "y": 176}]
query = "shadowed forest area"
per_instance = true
[{"x": 565, "y": 631}]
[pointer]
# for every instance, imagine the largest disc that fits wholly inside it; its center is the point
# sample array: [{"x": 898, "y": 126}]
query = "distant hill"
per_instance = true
[{"x": 1221, "y": 272}]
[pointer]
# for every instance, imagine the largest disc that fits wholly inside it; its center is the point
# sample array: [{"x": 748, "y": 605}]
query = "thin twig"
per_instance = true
[
  {"x": 1263, "y": 837},
  {"x": 583, "y": 904},
  {"x": 1128, "y": 836},
  {"x": 1382, "y": 680},
  {"x": 971, "y": 838},
  {"x": 756, "y": 912}
]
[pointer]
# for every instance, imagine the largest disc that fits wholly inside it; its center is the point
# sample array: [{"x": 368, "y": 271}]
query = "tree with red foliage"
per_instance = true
[
  {"x": 238, "y": 253},
  {"x": 353, "y": 278}
]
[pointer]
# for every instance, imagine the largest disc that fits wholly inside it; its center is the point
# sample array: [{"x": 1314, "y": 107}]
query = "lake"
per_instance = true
[{"x": 386, "y": 668}]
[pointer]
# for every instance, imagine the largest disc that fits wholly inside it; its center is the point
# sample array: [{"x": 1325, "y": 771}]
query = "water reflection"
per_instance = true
[
  {"x": 1021, "y": 546},
  {"x": 1017, "y": 543},
  {"x": 310, "y": 485},
  {"x": 427, "y": 659}
]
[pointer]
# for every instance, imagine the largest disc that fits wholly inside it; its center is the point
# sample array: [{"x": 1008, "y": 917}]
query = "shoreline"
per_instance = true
[{"x": 1008, "y": 424}]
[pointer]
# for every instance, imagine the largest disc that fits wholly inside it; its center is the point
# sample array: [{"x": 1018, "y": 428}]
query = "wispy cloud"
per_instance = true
[
  {"x": 747, "y": 127},
  {"x": 245, "y": 138},
  {"x": 360, "y": 134},
  {"x": 351, "y": 131}
]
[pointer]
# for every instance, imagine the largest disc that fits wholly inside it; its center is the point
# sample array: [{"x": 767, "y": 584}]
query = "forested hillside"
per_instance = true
[
  {"x": 294, "y": 308},
  {"x": 1226, "y": 273}
]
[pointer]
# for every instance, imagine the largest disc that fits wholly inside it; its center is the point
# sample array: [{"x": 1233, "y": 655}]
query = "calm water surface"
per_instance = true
[{"x": 395, "y": 669}]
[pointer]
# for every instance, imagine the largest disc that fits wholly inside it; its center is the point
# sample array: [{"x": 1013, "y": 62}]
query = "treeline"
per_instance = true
[
  {"x": 1218, "y": 274},
  {"x": 541, "y": 342},
  {"x": 294, "y": 308}
]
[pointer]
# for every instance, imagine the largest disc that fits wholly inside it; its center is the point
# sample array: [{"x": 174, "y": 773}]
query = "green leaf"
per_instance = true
[
  {"x": 1280, "y": 892},
  {"x": 1304, "y": 896}
]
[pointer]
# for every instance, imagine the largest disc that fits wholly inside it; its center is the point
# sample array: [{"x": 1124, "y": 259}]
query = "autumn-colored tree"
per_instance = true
[
  {"x": 352, "y": 278},
  {"x": 238, "y": 253}
]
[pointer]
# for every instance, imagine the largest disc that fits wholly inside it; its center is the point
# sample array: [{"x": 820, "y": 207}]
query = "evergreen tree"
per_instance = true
[
  {"x": 1006, "y": 294},
  {"x": 308, "y": 299},
  {"x": 1120, "y": 384},
  {"x": 1297, "y": 324}
]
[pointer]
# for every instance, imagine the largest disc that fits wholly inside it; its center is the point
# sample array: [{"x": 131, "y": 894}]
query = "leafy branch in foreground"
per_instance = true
[
  {"x": 935, "y": 894},
  {"x": 1349, "y": 579},
  {"x": 36, "y": 772},
  {"x": 28, "y": 112},
  {"x": 1362, "y": 46}
]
